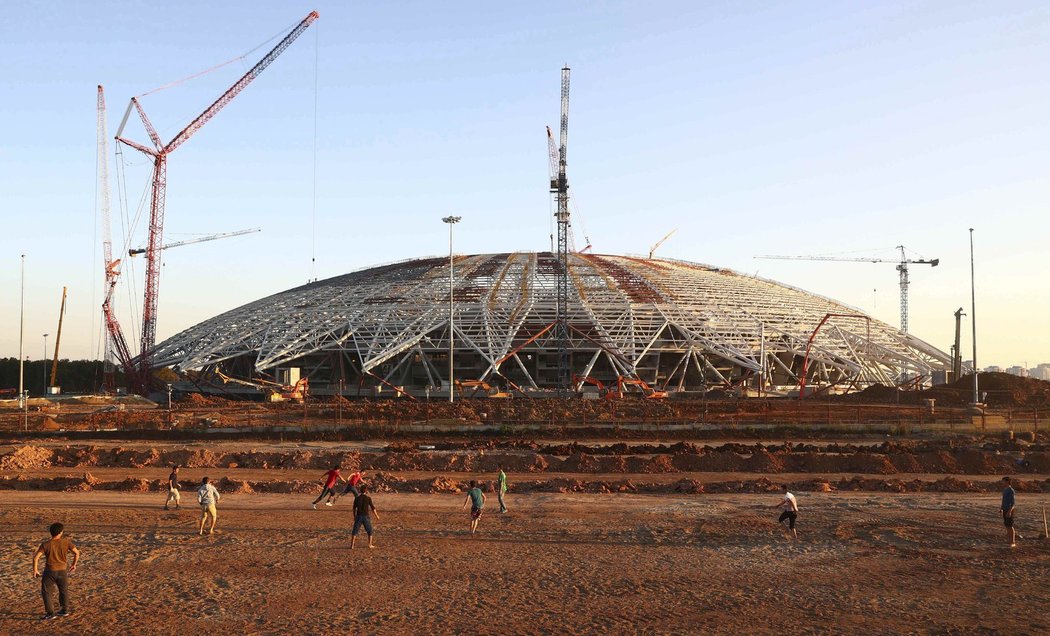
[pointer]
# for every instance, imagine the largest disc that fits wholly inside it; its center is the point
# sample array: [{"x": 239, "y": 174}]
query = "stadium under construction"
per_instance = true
[{"x": 635, "y": 324}]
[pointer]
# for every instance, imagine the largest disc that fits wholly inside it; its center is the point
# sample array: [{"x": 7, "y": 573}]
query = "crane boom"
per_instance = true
[
  {"x": 652, "y": 249},
  {"x": 160, "y": 152},
  {"x": 902, "y": 268},
  {"x": 200, "y": 239},
  {"x": 58, "y": 338},
  {"x": 115, "y": 344}
]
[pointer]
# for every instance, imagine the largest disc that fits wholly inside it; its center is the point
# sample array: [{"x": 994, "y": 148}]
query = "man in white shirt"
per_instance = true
[
  {"x": 207, "y": 497},
  {"x": 790, "y": 513}
]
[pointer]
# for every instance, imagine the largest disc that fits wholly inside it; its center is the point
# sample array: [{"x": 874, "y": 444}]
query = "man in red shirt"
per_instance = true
[
  {"x": 353, "y": 484},
  {"x": 330, "y": 479},
  {"x": 55, "y": 550}
]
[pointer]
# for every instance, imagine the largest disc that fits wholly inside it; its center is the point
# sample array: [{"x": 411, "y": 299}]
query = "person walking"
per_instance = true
[
  {"x": 1007, "y": 508},
  {"x": 790, "y": 506},
  {"x": 501, "y": 488},
  {"x": 173, "y": 488},
  {"x": 363, "y": 509},
  {"x": 55, "y": 551},
  {"x": 208, "y": 497},
  {"x": 476, "y": 498},
  {"x": 330, "y": 479}
]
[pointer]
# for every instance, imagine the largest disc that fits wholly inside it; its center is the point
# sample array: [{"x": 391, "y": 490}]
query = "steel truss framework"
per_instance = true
[{"x": 677, "y": 325}]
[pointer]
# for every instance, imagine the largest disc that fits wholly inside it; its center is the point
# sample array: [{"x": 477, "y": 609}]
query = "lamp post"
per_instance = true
[
  {"x": 451, "y": 220},
  {"x": 21, "y": 337},
  {"x": 44, "y": 390},
  {"x": 973, "y": 322}
]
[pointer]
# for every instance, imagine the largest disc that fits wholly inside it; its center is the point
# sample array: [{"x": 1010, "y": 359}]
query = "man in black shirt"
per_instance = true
[
  {"x": 173, "y": 488},
  {"x": 363, "y": 508}
]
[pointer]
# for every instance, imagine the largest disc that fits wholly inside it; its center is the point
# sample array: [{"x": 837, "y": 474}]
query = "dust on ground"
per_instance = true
[{"x": 557, "y": 563}]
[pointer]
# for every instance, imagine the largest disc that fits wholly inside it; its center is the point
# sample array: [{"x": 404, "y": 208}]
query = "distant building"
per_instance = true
[
  {"x": 993, "y": 369},
  {"x": 1041, "y": 372},
  {"x": 1018, "y": 370}
]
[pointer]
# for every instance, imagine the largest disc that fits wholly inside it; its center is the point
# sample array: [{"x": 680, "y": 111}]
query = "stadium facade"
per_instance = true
[{"x": 678, "y": 326}]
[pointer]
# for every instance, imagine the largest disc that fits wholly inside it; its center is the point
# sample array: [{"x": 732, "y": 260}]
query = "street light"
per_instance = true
[
  {"x": 451, "y": 220},
  {"x": 21, "y": 336},
  {"x": 45, "y": 365}
]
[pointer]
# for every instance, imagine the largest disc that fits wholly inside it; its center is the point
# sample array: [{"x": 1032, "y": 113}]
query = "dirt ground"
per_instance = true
[{"x": 556, "y": 563}]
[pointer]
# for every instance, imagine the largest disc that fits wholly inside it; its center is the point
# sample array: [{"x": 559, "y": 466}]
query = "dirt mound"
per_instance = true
[{"x": 26, "y": 458}]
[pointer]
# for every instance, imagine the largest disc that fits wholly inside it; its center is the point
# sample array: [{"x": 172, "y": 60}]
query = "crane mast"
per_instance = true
[
  {"x": 561, "y": 335},
  {"x": 159, "y": 153}
]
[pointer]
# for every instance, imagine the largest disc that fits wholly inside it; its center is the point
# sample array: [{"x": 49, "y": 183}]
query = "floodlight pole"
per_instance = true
[
  {"x": 973, "y": 321},
  {"x": 451, "y": 220},
  {"x": 21, "y": 337}
]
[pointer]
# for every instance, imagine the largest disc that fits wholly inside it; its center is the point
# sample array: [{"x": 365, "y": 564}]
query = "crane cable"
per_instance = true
[
  {"x": 221, "y": 64},
  {"x": 313, "y": 231}
]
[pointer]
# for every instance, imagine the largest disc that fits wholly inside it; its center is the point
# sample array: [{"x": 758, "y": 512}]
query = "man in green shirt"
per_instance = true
[
  {"x": 501, "y": 488},
  {"x": 476, "y": 498}
]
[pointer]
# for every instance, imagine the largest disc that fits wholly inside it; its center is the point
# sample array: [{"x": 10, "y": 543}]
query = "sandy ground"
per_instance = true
[{"x": 869, "y": 563}]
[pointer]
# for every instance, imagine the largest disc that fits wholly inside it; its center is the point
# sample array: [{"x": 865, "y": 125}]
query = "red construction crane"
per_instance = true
[{"x": 142, "y": 380}]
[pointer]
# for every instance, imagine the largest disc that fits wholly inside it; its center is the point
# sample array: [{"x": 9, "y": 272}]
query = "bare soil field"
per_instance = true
[{"x": 872, "y": 563}]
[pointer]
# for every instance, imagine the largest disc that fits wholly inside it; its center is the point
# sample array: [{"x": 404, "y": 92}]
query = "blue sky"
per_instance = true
[{"x": 753, "y": 128}]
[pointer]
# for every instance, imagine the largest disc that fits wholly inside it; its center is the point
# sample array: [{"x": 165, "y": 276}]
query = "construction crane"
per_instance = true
[
  {"x": 652, "y": 250},
  {"x": 115, "y": 345},
  {"x": 58, "y": 338},
  {"x": 199, "y": 239},
  {"x": 142, "y": 380},
  {"x": 560, "y": 187},
  {"x": 902, "y": 268},
  {"x": 555, "y": 161}
]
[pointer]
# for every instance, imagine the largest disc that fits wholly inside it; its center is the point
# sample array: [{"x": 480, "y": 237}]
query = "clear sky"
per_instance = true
[{"x": 751, "y": 127}]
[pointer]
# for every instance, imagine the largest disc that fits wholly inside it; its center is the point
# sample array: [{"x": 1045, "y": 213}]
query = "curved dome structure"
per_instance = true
[{"x": 676, "y": 325}]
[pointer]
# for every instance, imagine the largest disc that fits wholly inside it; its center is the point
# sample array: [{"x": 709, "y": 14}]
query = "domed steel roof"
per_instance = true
[{"x": 622, "y": 311}]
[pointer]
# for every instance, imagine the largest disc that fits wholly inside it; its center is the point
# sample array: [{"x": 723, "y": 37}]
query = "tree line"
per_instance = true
[{"x": 74, "y": 376}]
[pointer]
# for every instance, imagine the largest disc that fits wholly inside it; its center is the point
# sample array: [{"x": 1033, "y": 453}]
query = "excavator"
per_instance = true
[
  {"x": 649, "y": 392},
  {"x": 486, "y": 389},
  {"x": 618, "y": 393},
  {"x": 275, "y": 392}
]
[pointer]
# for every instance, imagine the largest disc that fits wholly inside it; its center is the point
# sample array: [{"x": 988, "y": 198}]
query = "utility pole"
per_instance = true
[
  {"x": 451, "y": 220},
  {"x": 973, "y": 321}
]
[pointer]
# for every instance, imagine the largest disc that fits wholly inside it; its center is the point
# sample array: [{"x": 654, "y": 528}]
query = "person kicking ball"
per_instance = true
[{"x": 790, "y": 506}]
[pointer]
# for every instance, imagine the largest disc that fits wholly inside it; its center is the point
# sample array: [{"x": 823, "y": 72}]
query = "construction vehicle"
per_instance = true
[
  {"x": 274, "y": 391},
  {"x": 618, "y": 393},
  {"x": 647, "y": 391},
  {"x": 486, "y": 389},
  {"x": 579, "y": 380}
]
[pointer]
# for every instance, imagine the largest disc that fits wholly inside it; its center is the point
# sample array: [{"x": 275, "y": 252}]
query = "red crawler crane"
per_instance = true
[{"x": 141, "y": 377}]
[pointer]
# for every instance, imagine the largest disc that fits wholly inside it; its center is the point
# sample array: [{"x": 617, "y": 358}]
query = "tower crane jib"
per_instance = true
[{"x": 902, "y": 268}]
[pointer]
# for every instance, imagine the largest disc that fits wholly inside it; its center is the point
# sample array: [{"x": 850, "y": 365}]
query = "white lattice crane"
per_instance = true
[{"x": 902, "y": 268}]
